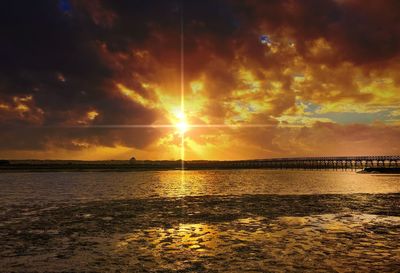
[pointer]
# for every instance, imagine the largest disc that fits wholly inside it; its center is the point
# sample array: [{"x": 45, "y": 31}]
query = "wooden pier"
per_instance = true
[{"x": 311, "y": 163}]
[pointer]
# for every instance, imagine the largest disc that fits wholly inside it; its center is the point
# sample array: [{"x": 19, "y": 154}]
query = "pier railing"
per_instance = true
[{"x": 334, "y": 163}]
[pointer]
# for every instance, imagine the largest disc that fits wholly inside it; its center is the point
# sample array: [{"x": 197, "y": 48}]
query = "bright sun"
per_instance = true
[{"x": 182, "y": 125}]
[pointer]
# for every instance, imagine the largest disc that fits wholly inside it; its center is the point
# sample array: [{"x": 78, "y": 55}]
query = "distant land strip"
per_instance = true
[{"x": 370, "y": 164}]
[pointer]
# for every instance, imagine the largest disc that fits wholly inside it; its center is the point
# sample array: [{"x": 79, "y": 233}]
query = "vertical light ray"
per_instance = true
[{"x": 182, "y": 88}]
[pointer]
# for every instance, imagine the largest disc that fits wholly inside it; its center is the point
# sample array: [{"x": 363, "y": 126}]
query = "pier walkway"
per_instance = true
[{"x": 334, "y": 163}]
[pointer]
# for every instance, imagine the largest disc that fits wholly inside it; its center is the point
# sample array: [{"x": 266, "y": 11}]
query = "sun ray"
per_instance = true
[{"x": 182, "y": 124}]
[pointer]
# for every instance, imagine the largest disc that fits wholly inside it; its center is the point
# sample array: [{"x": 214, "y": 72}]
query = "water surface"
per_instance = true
[{"x": 89, "y": 186}]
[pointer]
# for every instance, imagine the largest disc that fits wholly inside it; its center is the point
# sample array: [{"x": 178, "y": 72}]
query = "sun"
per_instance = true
[{"x": 181, "y": 125}]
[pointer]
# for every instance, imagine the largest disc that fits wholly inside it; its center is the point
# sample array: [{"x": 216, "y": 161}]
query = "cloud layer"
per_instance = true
[{"x": 326, "y": 83}]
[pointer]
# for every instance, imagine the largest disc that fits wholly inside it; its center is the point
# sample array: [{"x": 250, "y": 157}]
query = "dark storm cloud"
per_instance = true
[
  {"x": 50, "y": 53},
  {"x": 362, "y": 31}
]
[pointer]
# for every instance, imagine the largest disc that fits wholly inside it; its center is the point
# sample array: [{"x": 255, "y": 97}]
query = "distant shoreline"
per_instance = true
[
  {"x": 25, "y": 168},
  {"x": 369, "y": 165}
]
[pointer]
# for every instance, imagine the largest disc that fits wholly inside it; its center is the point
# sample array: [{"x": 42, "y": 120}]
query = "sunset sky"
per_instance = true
[{"x": 76, "y": 74}]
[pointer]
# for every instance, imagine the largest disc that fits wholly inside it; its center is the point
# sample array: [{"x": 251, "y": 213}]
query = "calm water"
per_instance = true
[
  {"x": 75, "y": 187},
  {"x": 200, "y": 221}
]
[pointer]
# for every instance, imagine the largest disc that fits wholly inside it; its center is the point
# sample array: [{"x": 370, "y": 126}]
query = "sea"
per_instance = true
[{"x": 200, "y": 221}]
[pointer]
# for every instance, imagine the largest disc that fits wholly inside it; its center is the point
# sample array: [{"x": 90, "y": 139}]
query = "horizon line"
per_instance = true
[{"x": 215, "y": 160}]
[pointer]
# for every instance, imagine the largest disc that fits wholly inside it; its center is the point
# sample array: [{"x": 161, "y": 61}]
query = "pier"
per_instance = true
[{"x": 310, "y": 163}]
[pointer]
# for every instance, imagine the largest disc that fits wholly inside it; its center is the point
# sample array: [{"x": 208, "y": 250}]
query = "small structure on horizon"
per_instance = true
[{"x": 132, "y": 160}]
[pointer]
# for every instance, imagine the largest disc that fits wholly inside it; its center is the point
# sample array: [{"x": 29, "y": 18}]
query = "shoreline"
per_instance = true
[
  {"x": 379, "y": 166},
  {"x": 42, "y": 168}
]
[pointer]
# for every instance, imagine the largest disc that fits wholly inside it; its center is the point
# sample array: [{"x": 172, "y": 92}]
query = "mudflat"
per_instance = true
[{"x": 247, "y": 233}]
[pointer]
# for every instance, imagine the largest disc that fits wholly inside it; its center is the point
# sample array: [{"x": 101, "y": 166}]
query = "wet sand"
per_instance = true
[{"x": 249, "y": 233}]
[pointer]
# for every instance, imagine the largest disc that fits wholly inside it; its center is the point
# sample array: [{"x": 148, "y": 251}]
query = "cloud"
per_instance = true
[{"x": 75, "y": 62}]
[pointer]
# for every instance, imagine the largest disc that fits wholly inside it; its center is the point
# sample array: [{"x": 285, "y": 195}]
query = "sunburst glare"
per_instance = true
[{"x": 181, "y": 125}]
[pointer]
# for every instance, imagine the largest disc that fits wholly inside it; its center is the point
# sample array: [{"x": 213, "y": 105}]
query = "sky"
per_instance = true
[{"x": 105, "y": 79}]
